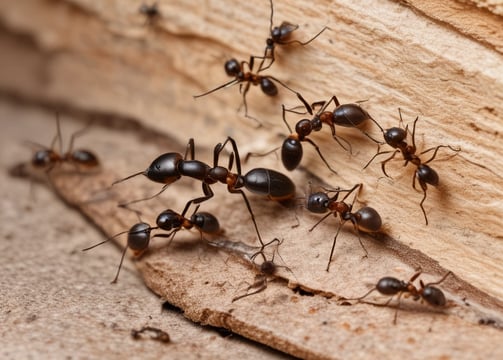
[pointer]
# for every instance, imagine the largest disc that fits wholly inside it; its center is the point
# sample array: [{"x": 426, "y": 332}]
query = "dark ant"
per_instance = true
[
  {"x": 237, "y": 70},
  {"x": 278, "y": 36},
  {"x": 170, "y": 167},
  {"x": 391, "y": 286},
  {"x": 266, "y": 271},
  {"x": 366, "y": 219},
  {"x": 396, "y": 138},
  {"x": 139, "y": 235},
  {"x": 158, "y": 334},
  {"x": 48, "y": 158},
  {"x": 347, "y": 115},
  {"x": 151, "y": 13}
]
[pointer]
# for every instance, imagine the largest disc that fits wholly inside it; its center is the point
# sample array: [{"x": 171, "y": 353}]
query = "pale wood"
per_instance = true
[{"x": 99, "y": 58}]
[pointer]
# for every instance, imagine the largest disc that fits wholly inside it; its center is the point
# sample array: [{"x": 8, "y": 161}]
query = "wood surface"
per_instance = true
[{"x": 98, "y": 60}]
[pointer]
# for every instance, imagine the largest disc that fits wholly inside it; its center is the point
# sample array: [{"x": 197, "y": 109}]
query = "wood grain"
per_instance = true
[{"x": 99, "y": 59}]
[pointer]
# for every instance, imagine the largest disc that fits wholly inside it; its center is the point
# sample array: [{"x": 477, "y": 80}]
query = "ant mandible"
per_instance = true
[
  {"x": 347, "y": 115},
  {"x": 48, "y": 158},
  {"x": 237, "y": 70},
  {"x": 424, "y": 174},
  {"x": 366, "y": 219},
  {"x": 138, "y": 236},
  {"x": 170, "y": 167},
  {"x": 392, "y": 286},
  {"x": 278, "y": 36}
]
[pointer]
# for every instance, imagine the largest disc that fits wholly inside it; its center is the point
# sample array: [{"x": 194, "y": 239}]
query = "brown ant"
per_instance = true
[
  {"x": 236, "y": 69},
  {"x": 396, "y": 138},
  {"x": 157, "y": 334},
  {"x": 48, "y": 158},
  {"x": 392, "y": 286},
  {"x": 170, "y": 167},
  {"x": 278, "y": 36},
  {"x": 266, "y": 271},
  {"x": 138, "y": 238},
  {"x": 347, "y": 115},
  {"x": 366, "y": 219}
]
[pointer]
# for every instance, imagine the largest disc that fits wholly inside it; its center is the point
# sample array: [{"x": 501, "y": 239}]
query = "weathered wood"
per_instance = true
[{"x": 428, "y": 58}]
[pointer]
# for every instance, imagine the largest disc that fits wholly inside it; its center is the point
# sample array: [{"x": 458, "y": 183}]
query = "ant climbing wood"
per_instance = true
[
  {"x": 278, "y": 35},
  {"x": 366, "y": 219},
  {"x": 396, "y": 138},
  {"x": 392, "y": 286},
  {"x": 236, "y": 69},
  {"x": 138, "y": 236},
  {"x": 170, "y": 167},
  {"x": 49, "y": 158}
]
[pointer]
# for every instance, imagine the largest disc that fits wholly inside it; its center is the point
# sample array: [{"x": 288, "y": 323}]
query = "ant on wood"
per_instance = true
[
  {"x": 347, "y": 115},
  {"x": 138, "y": 238},
  {"x": 170, "y": 167},
  {"x": 236, "y": 69},
  {"x": 266, "y": 271},
  {"x": 396, "y": 138},
  {"x": 48, "y": 158},
  {"x": 156, "y": 334},
  {"x": 278, "y": 36},
  {"x": 392, "y": 286},
  {"x": 151, "y": 12},
  {"x": 366, "y": 219}
]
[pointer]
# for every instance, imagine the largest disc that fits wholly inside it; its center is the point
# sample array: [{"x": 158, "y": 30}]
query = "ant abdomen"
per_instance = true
[
  {"x": 85, "y": 158},
  {"x": 291, "y": 153},
  {"x": 268, "y": 87},
  {"x": 368, "y": 219},
  {"x": 390, "y": 286},
  {"x": 270, "y": 183},
  {"x": 427, "y": 174},
  {"x": 350, "y": 115},
  {"x": 138, "y": 237},
  {"x": 206, "y": 222},
  {"x": 434, "y": 296}
]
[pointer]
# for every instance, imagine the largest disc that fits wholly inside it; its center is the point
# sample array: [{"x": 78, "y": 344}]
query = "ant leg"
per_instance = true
[
  {"x": 76, "y": 135},
  {"x": 321, "y": 220},
  {"x": 250, "y": 154},
  {"x": 333, "y": 246},
  {"x": 235, "y": 152},
  {"x": 415, "y": 276},
  {"x": 359, "y": 186},
  {"x": 114, "y": 281},
  {"x": 306, "y": 42},
  {"x": 143, "y": 172},
  {"x": 58, "y": 136},
  {"x": 359, "y": 239},
  {"x": 441, "y": 280},
  {"x": 325, "y": 105},
  {"x": 191, "y": 148},
  {"x": 283, "y": 84},
  {"x": 262, "y": 281},
  {"x": 283, "y": 111},
  {"x": 424, "y": 188},
  {"x": 383, "y": 163},
  {"x": 337, "y": 138},
  {"x": 320, "y": 154},
  {"x": 229, "y": 83},
  {"x": 238, "y": 191},
  {"x": 397, "y": 307},
  {"x": 436, "y": 148},
  {"x": 414, "y": 132},
  {"x": 376, "y": 155}
]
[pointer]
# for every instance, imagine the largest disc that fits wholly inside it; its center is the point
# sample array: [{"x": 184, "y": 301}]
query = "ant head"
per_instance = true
[
  {"x": 169, "y": 219},
  {"x": 427, "y": 175},
  {"x": 318, "y": 202},
  {"x": 232, "y": 67},
  {"x": 367, "y": 219},
  {"x": 291, "y": 153},
  {"x": 268, "y": 86},
  {"x": 164, "y": 169},
  {"x": 394, "y": 136},
  {"x": 43, "y": 158},
  {"x": 138, "y": 237},
  {"x": 206, "y": 222},
  {"x": 433, "y": 295}
]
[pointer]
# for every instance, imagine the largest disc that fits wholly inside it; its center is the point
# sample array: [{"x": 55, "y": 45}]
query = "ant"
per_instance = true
[
  {"x": 347, "y": 115},
  {"x": 266, "y": 271},
  {"x": 151, "y": 13},
  {"x": 278, "y": 36},
  {"x": 48, "y": 158},
  {"x": 366, "y": 219},
  {"x": 138, "y": 238},
  {"x": 236, "y": 69},
  {"x": 396, "y": 138},
  {"x": 170, "y": 167},
  {"x": 391, "y": 286},
  {"x": 157, "y": 334}
]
